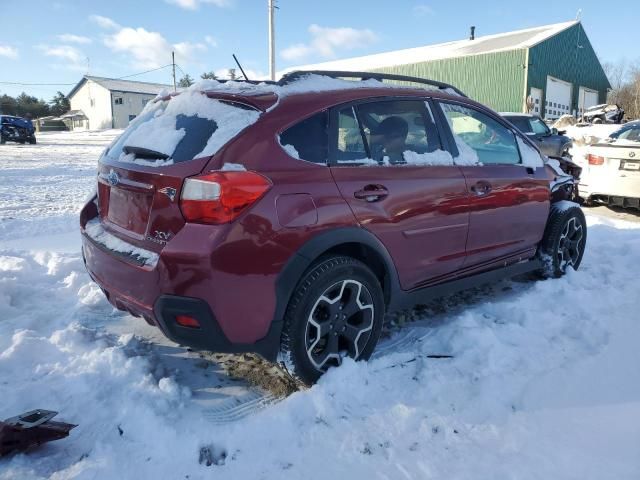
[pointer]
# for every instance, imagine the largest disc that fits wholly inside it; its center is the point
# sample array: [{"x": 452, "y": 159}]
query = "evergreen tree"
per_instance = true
[
  {"x": 59, "y": 104},
  {"x": 185, "y": 81},
  {"x": 209, "y": 76}
]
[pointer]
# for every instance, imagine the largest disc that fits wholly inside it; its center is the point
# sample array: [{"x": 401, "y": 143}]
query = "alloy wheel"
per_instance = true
[
  {"x": 569, "y": 246},
  {"x": 340, "y": 324}
]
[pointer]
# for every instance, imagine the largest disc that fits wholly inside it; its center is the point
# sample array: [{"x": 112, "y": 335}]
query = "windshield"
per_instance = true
[
  {"x": 631, "y": 133},
  {"x": 190, "y": 125}
]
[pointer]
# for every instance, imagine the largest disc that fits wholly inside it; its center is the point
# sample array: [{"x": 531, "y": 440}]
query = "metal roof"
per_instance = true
[
  {"x": 515, "y": 40},
  {"x": 118, "y": 85}
]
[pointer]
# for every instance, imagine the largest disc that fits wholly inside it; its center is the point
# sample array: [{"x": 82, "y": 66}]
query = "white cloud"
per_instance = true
[
  {"x": 212, "y": 42},
  {"x": 8, "y": 51},
  {"x": 188, "y": 51},
  {"x": 65, "y": 52},
  {"x": 150, "y": 49},
  {"x": 195, "y": 4},
  {"x": 423, "y": 10},
  {"x": 325, "y": 40},
  {"x": 104, "y": 22},
  {"x": 71, "y": 38}
]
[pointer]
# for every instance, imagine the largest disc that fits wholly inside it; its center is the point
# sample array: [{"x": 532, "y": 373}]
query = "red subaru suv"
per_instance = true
[{"x": 287, "y": 218}]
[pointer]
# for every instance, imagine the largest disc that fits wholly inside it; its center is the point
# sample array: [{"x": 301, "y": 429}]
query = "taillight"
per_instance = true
[
  {"x": 220, "y": 197},
  {"x": 595, "y": 159}
]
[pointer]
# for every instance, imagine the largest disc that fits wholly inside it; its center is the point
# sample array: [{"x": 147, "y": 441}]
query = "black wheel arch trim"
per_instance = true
[{"x": 304, "y": 257}]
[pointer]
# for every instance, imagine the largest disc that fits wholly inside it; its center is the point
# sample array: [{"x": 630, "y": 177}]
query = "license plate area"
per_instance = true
[
  {"x": 633, "y": 166},
  {"x": 129, "y": 209}
]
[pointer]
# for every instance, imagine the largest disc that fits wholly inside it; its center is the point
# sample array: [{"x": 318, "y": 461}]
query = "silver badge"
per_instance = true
[
  {"x": 632, "y": 154},
  {"x": 113, "y": 178}
]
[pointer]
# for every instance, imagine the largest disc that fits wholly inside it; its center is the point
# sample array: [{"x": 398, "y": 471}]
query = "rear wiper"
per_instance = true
[{"x": 141, "y": 152}]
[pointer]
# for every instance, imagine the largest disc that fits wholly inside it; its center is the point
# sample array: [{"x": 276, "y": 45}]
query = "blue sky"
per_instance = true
[{"x": 50, "y": 41}]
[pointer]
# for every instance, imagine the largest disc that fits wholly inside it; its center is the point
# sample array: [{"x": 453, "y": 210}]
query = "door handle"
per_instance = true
[
  {"x": 371, "y": 193},
  {"x": 481, "y": 188}
]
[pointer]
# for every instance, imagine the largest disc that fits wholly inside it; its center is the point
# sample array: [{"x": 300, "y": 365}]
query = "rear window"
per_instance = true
[
  {"x": 190, "y": 125},
  {"x": 307, "y": 140}
]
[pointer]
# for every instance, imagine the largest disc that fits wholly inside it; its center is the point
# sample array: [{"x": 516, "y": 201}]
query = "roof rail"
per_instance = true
[{"x": 298, "y": 74}]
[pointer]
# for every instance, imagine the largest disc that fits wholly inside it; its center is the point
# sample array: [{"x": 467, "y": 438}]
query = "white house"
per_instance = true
[{"x": 100, "y": 103}]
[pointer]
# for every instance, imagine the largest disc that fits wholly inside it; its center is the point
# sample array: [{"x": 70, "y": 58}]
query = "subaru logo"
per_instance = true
[
  {"x": 113, "y": 178},
  {"x": 632, "y": 154}
]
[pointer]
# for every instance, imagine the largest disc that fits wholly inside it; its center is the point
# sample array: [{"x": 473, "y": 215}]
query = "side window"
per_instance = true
[
  {"x": 350, "y": 143},
  {"x": 479, "y": 138},
  {"x": 307, "y": 140},
  {"x": 396, "y": 132}
]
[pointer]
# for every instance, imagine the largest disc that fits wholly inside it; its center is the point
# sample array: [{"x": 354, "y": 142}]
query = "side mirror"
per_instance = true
[{"x": 554, "y": 131}]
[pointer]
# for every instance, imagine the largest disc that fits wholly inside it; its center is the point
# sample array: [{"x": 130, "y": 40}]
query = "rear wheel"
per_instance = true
[
  {"x": 564, "y": 240},
  {"x": 336, "y": 311}
]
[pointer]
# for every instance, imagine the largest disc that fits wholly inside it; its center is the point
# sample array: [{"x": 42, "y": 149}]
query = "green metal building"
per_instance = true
[{"x": 550, "y": 70}]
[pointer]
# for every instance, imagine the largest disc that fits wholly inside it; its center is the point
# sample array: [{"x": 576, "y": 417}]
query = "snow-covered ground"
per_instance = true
[{"x": 544, "y": 379}]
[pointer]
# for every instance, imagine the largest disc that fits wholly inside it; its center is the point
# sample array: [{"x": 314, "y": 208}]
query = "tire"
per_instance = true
[
  {"x": 2, "y": 141},
  {"x": 564, "y": 240},
  {"x": 314, "y": 336},
  {"x": 32, "y": 140}
]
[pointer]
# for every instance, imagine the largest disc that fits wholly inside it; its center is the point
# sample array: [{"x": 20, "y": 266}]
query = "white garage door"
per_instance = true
[
  {"x": 557, "y": 99},
  {"x": 587, "y": 98}
]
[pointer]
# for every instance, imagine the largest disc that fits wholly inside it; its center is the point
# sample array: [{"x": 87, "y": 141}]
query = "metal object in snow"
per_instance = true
[{"x": 31, "y": 429}]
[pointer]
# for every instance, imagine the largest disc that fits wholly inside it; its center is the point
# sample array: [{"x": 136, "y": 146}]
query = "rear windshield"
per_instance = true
[{"x": 190, "y": 125}]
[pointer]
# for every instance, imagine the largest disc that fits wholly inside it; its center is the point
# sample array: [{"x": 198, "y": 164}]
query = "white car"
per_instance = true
[{"x": 611, "y": 174}]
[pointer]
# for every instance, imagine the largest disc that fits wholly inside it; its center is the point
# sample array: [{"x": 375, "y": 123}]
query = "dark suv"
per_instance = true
[
  {"x": 550, "y": 141},
  {"x": 16, "y": 129},
  {"x": 287, "y": 218}
]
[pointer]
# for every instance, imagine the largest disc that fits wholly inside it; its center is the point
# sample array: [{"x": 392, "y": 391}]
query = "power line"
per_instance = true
[
  {"x": 36, "y": 84},
  {"x": 142, "y": 73},
  {"x": 26, "y": 84},
  {"x": 183, "y": 74}
]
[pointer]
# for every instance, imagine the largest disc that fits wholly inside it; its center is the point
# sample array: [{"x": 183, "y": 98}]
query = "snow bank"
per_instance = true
[
  {"x": 543, "y": 379},
  {"x": 590, "y": 134}
]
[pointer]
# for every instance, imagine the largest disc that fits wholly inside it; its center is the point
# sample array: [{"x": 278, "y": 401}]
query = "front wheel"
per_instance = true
[
  {"x": 336, "y": 311},
  {"x": 564, "y": 239}
]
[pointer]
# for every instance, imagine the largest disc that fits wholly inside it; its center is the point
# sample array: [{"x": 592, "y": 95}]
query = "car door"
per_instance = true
[
  {"x": 409, "y": 195},
  {"x": 508, "y": 196}
]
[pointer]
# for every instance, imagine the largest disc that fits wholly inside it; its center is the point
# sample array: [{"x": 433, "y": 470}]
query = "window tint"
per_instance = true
[
  {"x": 350, "y": 143},
  {"x": 389, "y": 133},
  {"x": 479, "y": 135},
  {"x": 538, "y": 126},
  {"x": 307, "y": 140},
  {"x": 522, "y": 123}
]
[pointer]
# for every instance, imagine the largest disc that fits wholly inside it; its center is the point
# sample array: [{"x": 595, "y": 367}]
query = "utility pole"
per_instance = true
[
  {"x": 173, "y": 64},
  {"x": 272, "y": 43}
]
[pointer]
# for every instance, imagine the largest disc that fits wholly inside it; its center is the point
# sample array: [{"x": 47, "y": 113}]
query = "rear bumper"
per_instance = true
[
  {"x": 235, "y": 308},
  {"x": 610, "y": 185}
]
